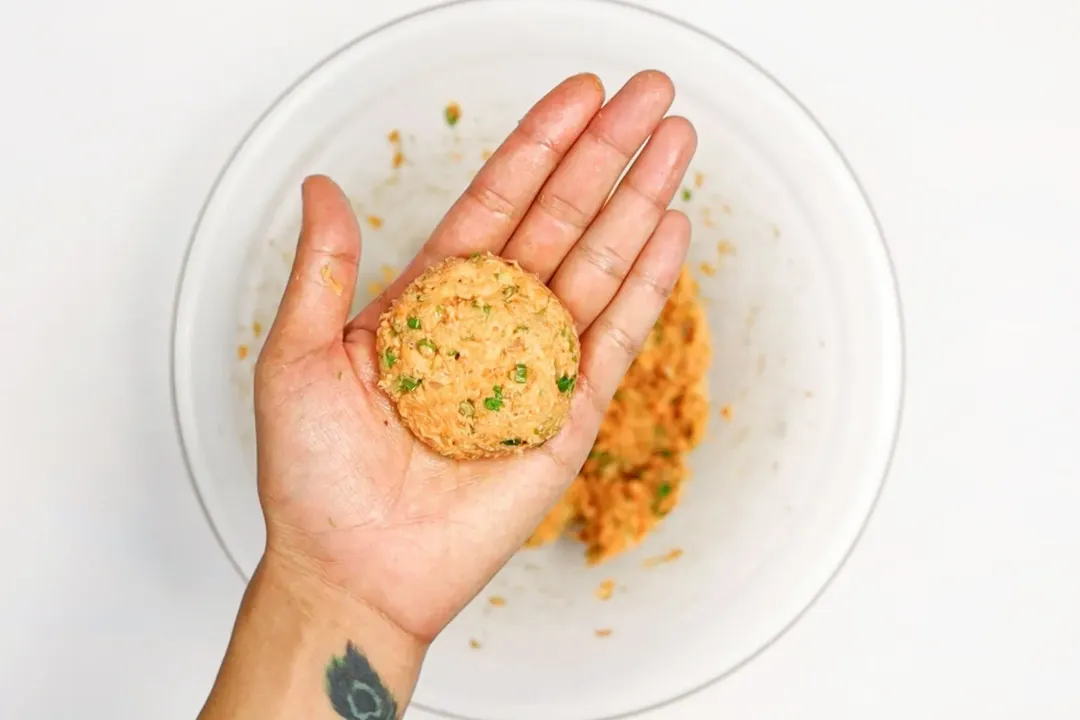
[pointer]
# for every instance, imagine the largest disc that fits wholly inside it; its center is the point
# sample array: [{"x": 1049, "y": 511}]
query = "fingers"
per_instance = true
[
  {"x": 614, "y": 340},
  {"x": 315, "y": 307},
  {"x": 577, "y": 189},
  {"x": 608, "y": 348},
  {"x": 595, "y": 268},
  {"x": 487, "y": 213}
]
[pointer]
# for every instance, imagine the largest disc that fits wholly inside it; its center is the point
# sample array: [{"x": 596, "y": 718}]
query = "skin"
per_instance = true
[{"x": 371, "y": 537}]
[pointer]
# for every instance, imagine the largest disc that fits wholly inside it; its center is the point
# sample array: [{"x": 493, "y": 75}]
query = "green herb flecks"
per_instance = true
[
  {"x": 390, "y": 358},
  {"x": 452, "y": 113},
  {"x": 495, "y": 402},
  {"x": 686, "y": 194},
  {"x": 513, "y": 442},
  {"x": 602, "y": 457},
  {"x": 521, "y": 373},
  {"x": 509, "y": 291},
  {"x": 566, "y": 383},
  {"x": 413, "y": 322},
  {"x": 661, "y": 492},
  {"x": 408, "y": 384},
  {"x": 425, "y": 343},
  {"x": 466, "y": 408}
]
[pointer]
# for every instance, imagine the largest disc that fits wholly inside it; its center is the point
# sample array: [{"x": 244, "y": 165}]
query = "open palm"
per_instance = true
[{"x": 346, "y": 490}]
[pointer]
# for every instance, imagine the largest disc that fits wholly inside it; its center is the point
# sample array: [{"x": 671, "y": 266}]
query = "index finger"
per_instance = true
[{"x": 489, "y": 210}]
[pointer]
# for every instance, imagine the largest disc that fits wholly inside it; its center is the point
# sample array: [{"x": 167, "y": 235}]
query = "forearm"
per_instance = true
[{"x": 303, "y": 649}]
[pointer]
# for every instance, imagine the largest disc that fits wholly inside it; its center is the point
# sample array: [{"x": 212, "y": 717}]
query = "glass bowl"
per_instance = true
[{"x": 802, "y": 305}]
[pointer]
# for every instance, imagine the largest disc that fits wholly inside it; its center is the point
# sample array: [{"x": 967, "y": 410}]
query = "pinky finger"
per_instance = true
[{"x": 614, "y": 340}]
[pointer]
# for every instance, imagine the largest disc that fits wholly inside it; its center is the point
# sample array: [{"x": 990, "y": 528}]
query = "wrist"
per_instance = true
[
  {"x": 304, "y": 648},
  {"x": 349, "y": 623}
]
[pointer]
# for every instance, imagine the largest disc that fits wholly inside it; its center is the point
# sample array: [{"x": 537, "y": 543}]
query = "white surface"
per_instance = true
[
  {"x": 962, "y": 121},
  {"x": 806, "y": 305}
]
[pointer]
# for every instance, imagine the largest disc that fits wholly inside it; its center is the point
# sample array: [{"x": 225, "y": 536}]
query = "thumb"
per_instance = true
[{"x": 315, "y": 307}]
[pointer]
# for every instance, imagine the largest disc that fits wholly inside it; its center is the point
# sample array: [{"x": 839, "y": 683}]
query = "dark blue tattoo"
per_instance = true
[{"x": 355, "y": 690}]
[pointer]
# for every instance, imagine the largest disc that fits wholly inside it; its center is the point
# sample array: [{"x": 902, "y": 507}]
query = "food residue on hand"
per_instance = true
[
  {"x": 602, "y": 632},
  {"x": 241, "y": 352},
  {"x": 331, "y": 281},
  {"x": 669, "y": 556},
  {"x": 388, "y": 274},
  {"x": 474, "y": 644},
  {"x": 707, "y": 269},
  {"x": 724, "y": 247},
  {"x": 727, "y": 412},
  {"x": 699, "y": 179},
  {"x": 605, "y": 590},
  {"x": 497, "y": 600},
  {"x": 485, "y": 154},
  {"x": 374, "y": 288},
  {"x": 706, "y": 218},
  {"x": 452, "y": 114},
  {"x": 375, "y": 221},
  {"x": 256, "y": 328}
]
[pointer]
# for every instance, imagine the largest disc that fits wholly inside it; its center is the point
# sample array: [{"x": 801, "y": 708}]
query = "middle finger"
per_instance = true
[
  {"x": 577, "y": 189},
  {"x": 595, "y": 268}
]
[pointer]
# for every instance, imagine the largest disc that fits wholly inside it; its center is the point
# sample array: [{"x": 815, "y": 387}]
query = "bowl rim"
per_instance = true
[{"x": 619, "y": 6}]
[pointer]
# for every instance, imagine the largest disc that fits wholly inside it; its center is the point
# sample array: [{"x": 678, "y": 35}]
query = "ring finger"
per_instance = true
[{"x": 595, "y": 268}]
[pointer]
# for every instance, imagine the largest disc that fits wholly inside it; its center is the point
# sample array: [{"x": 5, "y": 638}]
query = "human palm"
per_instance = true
[{"x": 348, "y": 493}]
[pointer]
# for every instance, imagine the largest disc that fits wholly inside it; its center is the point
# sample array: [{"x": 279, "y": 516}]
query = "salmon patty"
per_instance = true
[{"x": 480, "y": 357}]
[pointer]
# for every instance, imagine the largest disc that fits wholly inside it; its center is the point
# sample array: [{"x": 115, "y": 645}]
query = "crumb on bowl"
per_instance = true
[
  {"x": 669, "y": 556},
  {"x": 605, "y": 589},
  {"x": 452, "y": 114}
]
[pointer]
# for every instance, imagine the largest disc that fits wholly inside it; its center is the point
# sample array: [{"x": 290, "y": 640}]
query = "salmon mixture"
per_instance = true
[
  {"x": 480, "y": 357},
  {"x": 635, "y": 473}
]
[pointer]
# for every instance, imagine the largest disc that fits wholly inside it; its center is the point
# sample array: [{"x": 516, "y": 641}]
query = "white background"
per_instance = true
[{"x": 963, "y": 121}]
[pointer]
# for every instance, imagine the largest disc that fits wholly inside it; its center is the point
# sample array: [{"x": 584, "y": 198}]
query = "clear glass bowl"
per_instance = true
[{"x": 802, "y": 304}]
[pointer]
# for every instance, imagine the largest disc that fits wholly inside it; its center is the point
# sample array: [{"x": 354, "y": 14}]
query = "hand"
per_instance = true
[{"x": 350, "y": 497}]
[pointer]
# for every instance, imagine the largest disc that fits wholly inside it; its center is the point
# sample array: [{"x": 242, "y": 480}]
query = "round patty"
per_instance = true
[{"x": 480, "y": 357}]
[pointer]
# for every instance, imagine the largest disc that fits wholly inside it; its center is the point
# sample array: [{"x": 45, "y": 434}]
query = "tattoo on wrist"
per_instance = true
[{"x": 355, "y": 690}]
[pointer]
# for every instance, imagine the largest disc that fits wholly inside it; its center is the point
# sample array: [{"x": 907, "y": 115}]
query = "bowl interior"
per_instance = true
[{"x": 801, "y": 304}]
